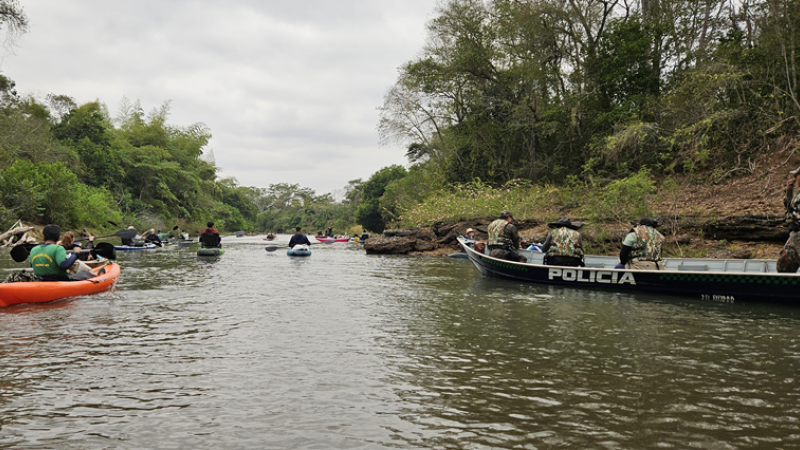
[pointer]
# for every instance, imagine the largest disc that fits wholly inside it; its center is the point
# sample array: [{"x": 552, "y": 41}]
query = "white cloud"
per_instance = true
[{"x": 290, "y": 90}]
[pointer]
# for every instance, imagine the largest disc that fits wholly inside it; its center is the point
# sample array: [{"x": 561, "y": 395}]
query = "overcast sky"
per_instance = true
[{"x": 289, "y": 89}]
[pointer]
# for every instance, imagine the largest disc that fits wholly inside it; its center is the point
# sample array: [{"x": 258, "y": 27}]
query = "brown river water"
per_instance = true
[{"x": 342, "y": 350}]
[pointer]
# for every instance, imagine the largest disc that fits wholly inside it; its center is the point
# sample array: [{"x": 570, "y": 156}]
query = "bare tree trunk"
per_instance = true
[{"x": 14, "y": 231}]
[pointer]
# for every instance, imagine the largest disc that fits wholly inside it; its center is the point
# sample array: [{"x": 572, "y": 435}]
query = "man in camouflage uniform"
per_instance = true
[
  {"x": 503, "y": 239},
  {"x": 641, "y": 248},
  {"x": 563, "y": 246},
  {"x": 789, "y": 259}
]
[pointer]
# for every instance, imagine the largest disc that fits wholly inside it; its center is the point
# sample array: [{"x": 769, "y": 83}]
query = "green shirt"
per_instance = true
[{"x": 46, "y": 258}]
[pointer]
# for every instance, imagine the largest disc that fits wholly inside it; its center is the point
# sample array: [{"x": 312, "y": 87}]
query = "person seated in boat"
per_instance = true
[
  {"x": 50, "y": 261},
  {"x": 641, "y": 247},
  {"x": 469, "y": 238},
  {"x": 320, "y": 234},
  {"x": 209, "y": 238},
  {"x": 364, "y": 236},
  {"x": 504, "y": 239},
  {"x": 789, "y": 258},
  {"x": 68, "y": 242},
  {"x": 298, "y": 238},
  {"x": 151, "y": 237},
  {"x": 564, "y": 245},
  {"x": 128, "y": 241}
]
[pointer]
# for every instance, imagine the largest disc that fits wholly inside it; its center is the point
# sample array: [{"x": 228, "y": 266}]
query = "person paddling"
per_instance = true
[
  {"x": 49, "y": 260},
  {"x": 209, "y": 238},
  {"x": 298, "y": 238},
  {"x": 151, "y": 237}
]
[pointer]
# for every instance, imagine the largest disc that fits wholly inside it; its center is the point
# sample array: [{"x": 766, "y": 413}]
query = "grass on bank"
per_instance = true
[{"x": 618, "y": 201}]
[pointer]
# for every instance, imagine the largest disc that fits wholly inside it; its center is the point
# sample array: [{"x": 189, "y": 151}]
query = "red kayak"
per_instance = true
[
  {"x": 326, "y": 239},
  {"x": 47, "y": 291}
]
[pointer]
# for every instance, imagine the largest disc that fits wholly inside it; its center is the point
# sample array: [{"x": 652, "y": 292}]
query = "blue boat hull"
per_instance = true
[{"x": 128, "y": 248}]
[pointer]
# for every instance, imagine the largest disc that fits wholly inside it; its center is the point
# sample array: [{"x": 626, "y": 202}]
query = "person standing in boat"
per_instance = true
[
  {"x": 564, "y": 245},
  {"x": 209, "y": 238},
  {"x": 504, "y": 239},
  {"x": 789, "y": 259},
  {"x": 49, "y": 260},
  {"x": 641, "y": 247},
  {"x": 298, "y": 238}
]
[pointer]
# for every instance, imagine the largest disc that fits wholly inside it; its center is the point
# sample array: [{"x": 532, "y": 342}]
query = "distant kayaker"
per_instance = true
[
  {"x": 364, "y": 236},
  {"x": 789, "y": 259},
  {"x": 49, "y": 260},
  {"x": 128, "y": 241},
  {"x": 504, "y": 239},
  {"x": 298, "y": 238},
  {"x": 330, "y": 231},
  {"x": 151, "y": 237},
  {"x": 209, "y": 238},
  {"x": 641, "y": 248},
  {"x": 564, "y": 245}
]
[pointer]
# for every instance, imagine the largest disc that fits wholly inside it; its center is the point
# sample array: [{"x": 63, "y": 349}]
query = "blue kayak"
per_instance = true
[
  {"x": 135, "y": 247},
  {"x": 299, "y": 250}
]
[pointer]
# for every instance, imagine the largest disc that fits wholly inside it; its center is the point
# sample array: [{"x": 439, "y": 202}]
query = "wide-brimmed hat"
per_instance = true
[
  {"x": 795, "y": 171},
  {"x": 564, "y": 222},
  {"x": 648, "y": 222},
  {"x": 470, "y": 230}
]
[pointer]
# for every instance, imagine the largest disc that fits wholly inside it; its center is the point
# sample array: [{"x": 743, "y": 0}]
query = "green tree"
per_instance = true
[{"x": 371, "y": 214}]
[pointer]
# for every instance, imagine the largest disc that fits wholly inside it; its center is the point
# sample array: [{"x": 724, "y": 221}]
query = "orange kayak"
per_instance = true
[{"x": 47, "y": 291}]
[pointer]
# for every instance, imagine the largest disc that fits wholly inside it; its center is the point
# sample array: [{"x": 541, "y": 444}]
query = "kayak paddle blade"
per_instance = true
[{"x": 106, "y": 250}]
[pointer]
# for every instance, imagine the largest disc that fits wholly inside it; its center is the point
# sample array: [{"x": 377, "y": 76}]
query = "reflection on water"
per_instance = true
[{"x": 344, "y": 350}]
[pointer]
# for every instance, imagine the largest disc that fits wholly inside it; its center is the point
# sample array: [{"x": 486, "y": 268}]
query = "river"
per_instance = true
[{"x": 342, "y": 350}]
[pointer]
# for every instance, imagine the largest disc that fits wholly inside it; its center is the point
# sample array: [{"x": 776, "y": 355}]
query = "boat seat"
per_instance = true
[{"x": 694, "y": 267}]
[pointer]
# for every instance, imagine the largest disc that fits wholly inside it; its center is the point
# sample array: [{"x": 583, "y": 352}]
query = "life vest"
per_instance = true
[
  {"x": 648, "y": 243},
  {"x": 565, "y": 242},
  {"x": 497, "y": 233}
]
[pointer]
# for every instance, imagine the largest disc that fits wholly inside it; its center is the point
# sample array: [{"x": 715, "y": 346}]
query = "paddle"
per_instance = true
[
  {"x": 124, "y": 234},
  {"x": 272, "y": 248},
  {"x": 20, "y": 253},
  {"x": 186, "y": 244}
]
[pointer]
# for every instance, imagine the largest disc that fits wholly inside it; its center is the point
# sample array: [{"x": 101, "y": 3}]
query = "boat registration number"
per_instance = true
[{"x": 718, "y": 298}]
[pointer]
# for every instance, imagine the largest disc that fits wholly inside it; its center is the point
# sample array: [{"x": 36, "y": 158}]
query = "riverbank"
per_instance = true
[{"x": 700, "y": 216}]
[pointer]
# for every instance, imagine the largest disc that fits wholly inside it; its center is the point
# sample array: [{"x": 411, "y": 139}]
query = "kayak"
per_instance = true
[
  {"x": 135, "y": 247},
  {"x": 47, "y": 291},
  {"x": 213, "y": 252},
  {"x": 325, "y": 239},
  {"x": 299, "y": 250}
]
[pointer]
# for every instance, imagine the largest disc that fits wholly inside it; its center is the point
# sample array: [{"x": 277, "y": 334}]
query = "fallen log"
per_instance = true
[{"x": 14, "y": 231}]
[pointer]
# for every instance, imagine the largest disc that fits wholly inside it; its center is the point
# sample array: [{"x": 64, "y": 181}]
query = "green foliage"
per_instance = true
[
  {"x": 50, "y": 193},
  {"x": 372, "y": 214},
  {"x": 477, "y": 199},
  {"x": 621, "y": 200}
]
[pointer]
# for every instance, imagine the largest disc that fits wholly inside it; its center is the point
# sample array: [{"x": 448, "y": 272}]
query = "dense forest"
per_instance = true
[
  {"x": 611, "y": 95},
  {"x": 589, "y": 92}
]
